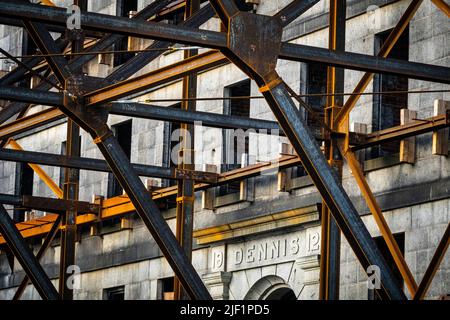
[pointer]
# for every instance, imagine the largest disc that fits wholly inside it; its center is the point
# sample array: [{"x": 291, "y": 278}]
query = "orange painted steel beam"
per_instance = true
[
  {"x": 26, "y": 123},
  {"x": 434, "y": 265},
  {"x": 40, "y": 172},
  {"x": 163, "y": 75},
  {"x": 384, "y": 52},
  {"x": 443, "y": 6},
  {"x": 121, "y": 205},
  {"x": 380, "y": 221}
]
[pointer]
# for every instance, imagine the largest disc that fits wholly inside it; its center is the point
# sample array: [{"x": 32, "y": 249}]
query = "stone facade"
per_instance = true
[{"x": 252, "y": 263}]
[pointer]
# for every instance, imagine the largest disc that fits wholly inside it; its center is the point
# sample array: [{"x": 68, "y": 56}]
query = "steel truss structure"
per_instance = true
[{"x": 253, "y": 43}]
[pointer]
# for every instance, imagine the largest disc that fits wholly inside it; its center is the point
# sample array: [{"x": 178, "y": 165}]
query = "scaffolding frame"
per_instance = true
[{"x": 87, "y": 102}]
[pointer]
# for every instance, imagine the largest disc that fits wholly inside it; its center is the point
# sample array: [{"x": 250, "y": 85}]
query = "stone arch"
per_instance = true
[{"x": 270, "y": 288}]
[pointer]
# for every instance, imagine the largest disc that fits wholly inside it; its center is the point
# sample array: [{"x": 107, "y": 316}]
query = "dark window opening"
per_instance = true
[
  {"x": 314, "y": 79},
  {"x": 233, "y": 149},
  {"x": 23, "y": 186},
  {"x": 116, "y": 293},
  {"x": 123, "y": 9},
  {"x": 381, "y": 244},
  {"x": 316, "y": 85},
  {"x": 122, "y": 132},
  {"x": 167, "y": 288},
  {"x": 386, "y": 108}
]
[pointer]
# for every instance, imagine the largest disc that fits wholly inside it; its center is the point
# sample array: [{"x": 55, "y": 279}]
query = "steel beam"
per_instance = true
[
  {"x": 45, "y": 245},
  {"x": 225, "y": 10},
  {"x": 94, "y": 121},
  {"x": 383, "y": 53},
  {"x": 261, "y": 67},
  {"x": 186, "y": 194},
  {"x": 381, "y": 222},
  {"x": 441, "y": 4},
  {"x": 155, "y": 78},
  {"x": 329, "y": 187},
  {"x": 29, "y": 122},
  {"x": 114, "y": 24},
  {"x": 49, "y": 204},
  {"x": 101, "y": 45},
  {"x": 208, "y": 119},
  {"x": 434, "y": 265},
  {"x": 44, "y": 41},
  {"x": 24, "y": 255},
  {"x": 294, "y": 10},
  {"x": 330, "y": 258},
  {"x": 40, "y": 172},
  {"x": 400, "y": 132},
  {"x": 217, "y": 40},
  {"x": 362, "y": 62}
]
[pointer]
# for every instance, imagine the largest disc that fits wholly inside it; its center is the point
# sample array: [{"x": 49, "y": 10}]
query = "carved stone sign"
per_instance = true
[{"x": 270, "y": 250}]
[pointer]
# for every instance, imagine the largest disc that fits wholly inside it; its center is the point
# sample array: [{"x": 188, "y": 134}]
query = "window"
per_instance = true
[
  {"x": 123, "y": 9},
  {"x": 122, "y": 132},
  {"x": 386, "y": 108},
  {"x": 314, "y": 76},
  {"x": 235, "y": 142},
  {"x": 23, "y": 186},
  {"x": 381, "y": 244},
  {"x": 167, "y": 288},
  {"x": 314, "y": 79},
  {"x": 116, "y": 293}
]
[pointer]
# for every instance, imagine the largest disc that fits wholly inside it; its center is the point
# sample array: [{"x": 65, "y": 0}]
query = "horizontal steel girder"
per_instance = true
[
  {"x": 114, "y": 24},
  {"x": 25, "y": 256},
  {"x": 98, "y": 165},
  {"x": 49, "y": 204},
  {"x": 217, "y": 40}
]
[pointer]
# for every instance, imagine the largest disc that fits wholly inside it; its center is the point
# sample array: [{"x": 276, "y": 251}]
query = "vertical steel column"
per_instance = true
[
  {"x": 186, "y": 194},
  {"x": 71, "y": 181},
  {"x": 27, "y": 260},
  {"x": 331, "y": 235}
]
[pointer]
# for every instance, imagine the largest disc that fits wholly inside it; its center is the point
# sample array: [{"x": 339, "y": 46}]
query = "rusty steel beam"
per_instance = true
[
  {"x": 186, "y": 194},
  {"x": 47, "y": 46},
  {"x": 25, "y": 256},
  {"x": 101, "y": 166},
  {"x": 330, "y": 258},
  {"x": 114, "y": 24},
  {"x": 396, "y": 133},
  {"x": 125, "y": 70},
  {"x": 29, "y": 122},
  {"x": 49, "y": 204},
  {"x": 218, "y": 40},
  {"x": 293, "y": 10},
  {"x": 383, "y": 53},
  {"x": 225, "y": 10},
  {"x": 155, "y": 78},
  {"x": 381, "y": 222},
  {"x": 261, "y": 66},
  {"x": 45, "y": 245},
  {"x": 441, "y": 4},
  {"x": 122, "y": 205},
  {"x": 434, "y": 265}
]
